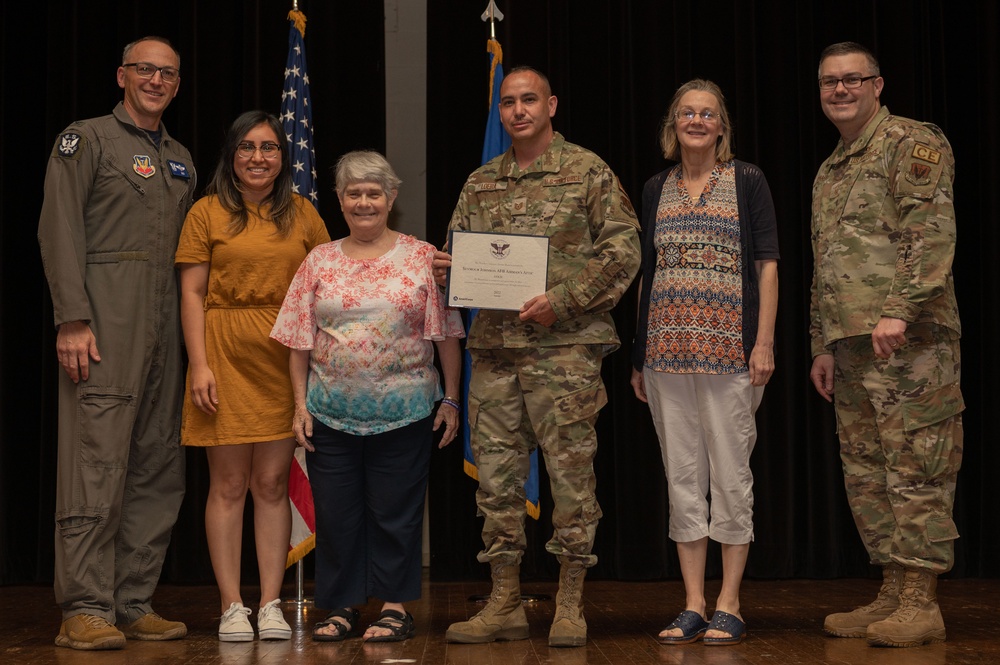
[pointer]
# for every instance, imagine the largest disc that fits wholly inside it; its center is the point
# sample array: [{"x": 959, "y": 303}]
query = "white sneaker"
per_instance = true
[
  {"x": 271, "y": 624},
  {"x": 234, "y": 625}
]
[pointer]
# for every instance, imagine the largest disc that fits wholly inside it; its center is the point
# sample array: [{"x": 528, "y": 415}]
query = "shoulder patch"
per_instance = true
[
  {"x": 926, "y": 153},
  {"x": 626, "y": 202},
  {"x": 69, "y": 143},
  {"x": 919, "y": 174}
]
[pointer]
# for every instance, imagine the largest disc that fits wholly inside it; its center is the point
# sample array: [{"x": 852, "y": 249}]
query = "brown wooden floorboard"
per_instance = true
[{"x": 784, "y": 627}]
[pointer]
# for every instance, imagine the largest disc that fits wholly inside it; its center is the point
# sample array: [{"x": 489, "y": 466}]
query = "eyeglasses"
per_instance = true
[
  {"x": 267, "y": 150},
  {"x": 688, "y": 115},
  {"x": 850, "y": 82},
  {"x": 147, "y": 69}
]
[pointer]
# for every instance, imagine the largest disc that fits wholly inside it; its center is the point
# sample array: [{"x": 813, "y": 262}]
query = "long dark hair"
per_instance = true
[{"x": 226, "y": 186}]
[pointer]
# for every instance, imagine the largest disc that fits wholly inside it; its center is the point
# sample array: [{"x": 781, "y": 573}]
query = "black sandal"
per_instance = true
[
  {"x": 401, "y": 626},
  {"x": 345, "y": 629}
]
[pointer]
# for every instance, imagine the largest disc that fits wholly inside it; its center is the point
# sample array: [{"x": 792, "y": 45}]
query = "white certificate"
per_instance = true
[{"x": 496, "y": 271}]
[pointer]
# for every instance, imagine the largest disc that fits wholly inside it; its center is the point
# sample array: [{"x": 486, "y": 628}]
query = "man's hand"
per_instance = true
[
  {"x": 440, "y": 265},
  {"x": 76, "y": 346},
  {"x": 822, "y": 375},
  {"x": 889, "y": 335},
  {"x": 539, "y": 310}
]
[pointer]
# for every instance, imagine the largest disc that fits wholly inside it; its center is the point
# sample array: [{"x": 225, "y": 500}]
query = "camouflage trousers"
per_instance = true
[
  {"x": 900, "y": 427},
  {"x": 520, "y": 399}
]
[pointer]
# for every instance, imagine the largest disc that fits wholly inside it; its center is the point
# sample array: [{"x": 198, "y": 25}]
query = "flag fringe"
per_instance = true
[
  {"x": 493, "y": 47},
  {"x": 300, "y": 550},
  {"x": 300, "y": 21},
  {"x": 534, "y": 509}
]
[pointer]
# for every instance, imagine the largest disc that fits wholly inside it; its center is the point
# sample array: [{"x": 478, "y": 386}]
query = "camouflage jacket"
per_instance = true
[
  {"x": 883, "y": 232},
  {"x": 570, "y": 195}
]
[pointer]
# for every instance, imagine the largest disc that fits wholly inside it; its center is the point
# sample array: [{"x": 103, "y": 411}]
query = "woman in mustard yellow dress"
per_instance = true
[{"x": 239, "y": 249}]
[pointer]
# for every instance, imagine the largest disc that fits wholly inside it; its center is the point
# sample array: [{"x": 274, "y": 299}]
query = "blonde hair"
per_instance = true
[{"x": 668, "y": 129}]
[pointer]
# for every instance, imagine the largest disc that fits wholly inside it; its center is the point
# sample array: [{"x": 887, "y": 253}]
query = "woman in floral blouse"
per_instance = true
[{"x": 362, "y": 318}]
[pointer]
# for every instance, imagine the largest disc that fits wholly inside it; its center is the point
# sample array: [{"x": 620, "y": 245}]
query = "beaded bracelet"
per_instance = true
[{"x": 452, "y": 403}]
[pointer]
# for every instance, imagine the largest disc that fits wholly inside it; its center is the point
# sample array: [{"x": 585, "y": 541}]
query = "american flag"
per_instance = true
[
  {"x": 296, "y": 112},
  {"x": 296, "y": 118}
]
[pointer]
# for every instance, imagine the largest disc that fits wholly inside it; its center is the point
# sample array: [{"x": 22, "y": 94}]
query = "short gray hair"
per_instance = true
[
  {"x": 127, "y": 51},
  {"x": 365, "y": 166}
]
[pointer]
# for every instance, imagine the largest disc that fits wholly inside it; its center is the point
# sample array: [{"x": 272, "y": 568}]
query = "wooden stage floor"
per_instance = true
[{"x": 784, "y": 627}]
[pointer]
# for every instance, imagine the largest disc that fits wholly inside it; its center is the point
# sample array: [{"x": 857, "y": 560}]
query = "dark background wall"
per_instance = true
[{"x": 614, "y": 67}]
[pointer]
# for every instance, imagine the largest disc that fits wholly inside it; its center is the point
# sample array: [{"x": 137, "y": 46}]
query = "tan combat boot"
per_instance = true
[
  {"x": 918, "y": 619},
  {"x": 856, "y": 622},
  {"x": 87, "y": 631},
  {"x": 569, "y": 628},
  {"x": 503, "y": 617}
]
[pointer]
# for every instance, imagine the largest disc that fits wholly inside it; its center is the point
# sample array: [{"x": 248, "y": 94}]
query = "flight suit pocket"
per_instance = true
[{"x": 106, "y": 417}]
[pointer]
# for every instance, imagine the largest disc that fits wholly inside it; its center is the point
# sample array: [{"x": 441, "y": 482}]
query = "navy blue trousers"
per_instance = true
[{"x": 369, "y": 497}]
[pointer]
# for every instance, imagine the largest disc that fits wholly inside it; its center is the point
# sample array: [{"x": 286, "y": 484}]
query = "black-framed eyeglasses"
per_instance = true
[
  {"x": 267, "y": 150},
  {"x": 147, "y": 69},
  {"x": 850, "y": 82},
  {"x": 689, "y": 114}
]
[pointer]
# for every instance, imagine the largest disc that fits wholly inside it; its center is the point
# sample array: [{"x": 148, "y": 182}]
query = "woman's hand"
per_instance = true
[
  {"x": 638, "y": 385},
  {"x": 448, "y": 415},
  {"x": 761, "y": 364},
  {"x": 302, "y": 425},
  {"x": 203, "y": 390}
]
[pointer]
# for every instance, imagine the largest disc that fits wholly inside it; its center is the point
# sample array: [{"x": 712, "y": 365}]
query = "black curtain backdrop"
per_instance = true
[{"x": 614, "y": 67}]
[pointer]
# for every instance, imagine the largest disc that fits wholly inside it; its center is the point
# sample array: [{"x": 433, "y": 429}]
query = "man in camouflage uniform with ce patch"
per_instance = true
[
  {"x": 536, "y": 374},
  {"x": 885, "y": 336}
]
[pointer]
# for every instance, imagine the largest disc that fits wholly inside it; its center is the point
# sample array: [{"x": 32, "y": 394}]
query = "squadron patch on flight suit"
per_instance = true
[
  {"x": 69, "y": 143},
  {"x": 142, "y": 166}
]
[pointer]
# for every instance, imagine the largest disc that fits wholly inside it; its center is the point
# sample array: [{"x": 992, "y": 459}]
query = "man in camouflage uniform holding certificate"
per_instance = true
[
  {"x": 536, "y": 374},
  {"x": 885, "y": 342}
]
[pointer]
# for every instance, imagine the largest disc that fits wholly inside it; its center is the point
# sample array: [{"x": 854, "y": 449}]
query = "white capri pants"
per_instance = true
[{"x": 706, "y": 427}]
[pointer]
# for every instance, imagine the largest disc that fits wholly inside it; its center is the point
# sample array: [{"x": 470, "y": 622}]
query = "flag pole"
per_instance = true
[{"x": 300, "y": 148}]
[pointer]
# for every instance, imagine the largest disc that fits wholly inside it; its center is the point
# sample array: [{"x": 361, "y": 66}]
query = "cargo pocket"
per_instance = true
[
  {"x": 106, "y": 418},
  {"x": 941, "y": 530},
  {"x": 581, "y": 404},
  {"x": 932, "y": 407}
]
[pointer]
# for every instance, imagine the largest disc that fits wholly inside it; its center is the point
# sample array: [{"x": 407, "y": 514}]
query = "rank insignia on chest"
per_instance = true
[
  {"x": 926, "y": 153},
  {"x": 519, "y": 205},
  {"x": 69, "y": 144},
  {"x": 142, "y": 166}
]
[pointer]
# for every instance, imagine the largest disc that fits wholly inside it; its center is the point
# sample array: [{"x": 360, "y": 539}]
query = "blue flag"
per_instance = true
[
  {"x": 496, "y": 142},
  {"x": 296, "y": 112}
]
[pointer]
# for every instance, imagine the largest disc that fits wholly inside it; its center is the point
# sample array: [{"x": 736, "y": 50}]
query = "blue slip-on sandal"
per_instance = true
[
  {"x": 726, "y": 623},
  {"x": 692, "y": 625}
]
